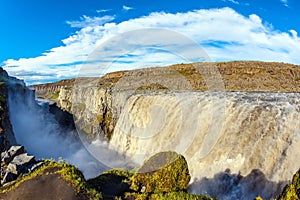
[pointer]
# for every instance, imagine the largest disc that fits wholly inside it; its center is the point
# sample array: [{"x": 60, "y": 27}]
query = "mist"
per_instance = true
[{"x": 42, "y": 136}]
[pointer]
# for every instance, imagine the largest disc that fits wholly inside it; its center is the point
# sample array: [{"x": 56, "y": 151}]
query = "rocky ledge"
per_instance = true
[{"x": 60, "y": 180}]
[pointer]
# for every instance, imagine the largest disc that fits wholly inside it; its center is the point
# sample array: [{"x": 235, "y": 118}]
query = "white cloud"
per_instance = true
[
  {"x": 126, "y": 8},
  {"x": 294, "y": 33},
  {"x": 223, "y": 33},
  {"x": 90, "y": 21},
  {"x": 103, "y": 10},
  {"x": 232, "y": 1},
  {"x": 285, "y": 3}
]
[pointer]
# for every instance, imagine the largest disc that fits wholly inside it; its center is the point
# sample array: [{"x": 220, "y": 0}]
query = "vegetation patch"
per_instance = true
[
  {"x": 167, "y": 196},
  {"x": 55, "y": 95}
]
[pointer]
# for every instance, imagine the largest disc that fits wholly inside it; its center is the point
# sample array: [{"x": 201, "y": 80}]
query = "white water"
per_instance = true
[{"x": 222, "y": 135}]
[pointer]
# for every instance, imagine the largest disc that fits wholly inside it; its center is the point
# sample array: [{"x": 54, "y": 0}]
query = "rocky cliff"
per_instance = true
[
  {"x": 97, "y": 102},
  {"x": 6, "y": 132}
]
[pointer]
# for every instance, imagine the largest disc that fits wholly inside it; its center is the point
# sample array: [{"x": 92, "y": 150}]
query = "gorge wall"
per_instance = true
[{"x": 97, "y": 102}]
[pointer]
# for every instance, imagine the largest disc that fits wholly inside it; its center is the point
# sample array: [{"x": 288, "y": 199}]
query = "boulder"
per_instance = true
[
  {"x": 13, "y": 168},
  {"x": 15, "y": 150},
  {"x": 163, "y": 172},
  {"x": 8, "y": 156},
  {"x": 8, "y": 177},
  {"x": 5, "y": 157},
  {"x": 23, "y": 159},
  {"x": 18, "y": 162}
]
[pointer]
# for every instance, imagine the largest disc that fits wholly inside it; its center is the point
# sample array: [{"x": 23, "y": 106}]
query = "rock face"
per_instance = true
[
  {"x": 163, "y": 172},
  {"x": 292, "y": 191}
]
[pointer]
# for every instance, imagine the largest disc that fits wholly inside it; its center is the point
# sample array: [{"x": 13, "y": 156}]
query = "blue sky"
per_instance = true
[{"x": 44, "y": 41}]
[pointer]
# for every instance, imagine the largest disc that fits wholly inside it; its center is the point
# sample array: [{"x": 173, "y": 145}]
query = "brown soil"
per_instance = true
[{"x": 45, "y": 187}]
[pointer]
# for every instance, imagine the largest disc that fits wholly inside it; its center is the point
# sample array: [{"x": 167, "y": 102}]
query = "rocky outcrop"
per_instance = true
[{"x": 15, "y": 161}]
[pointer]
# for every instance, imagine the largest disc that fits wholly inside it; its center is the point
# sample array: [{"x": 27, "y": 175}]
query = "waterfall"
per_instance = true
[
  {"x": 36, "y": 128},
  {"x": 238, "y": 144}
]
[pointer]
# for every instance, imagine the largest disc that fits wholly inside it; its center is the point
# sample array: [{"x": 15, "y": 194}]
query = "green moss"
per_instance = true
[
  {"x": 2, "y": 99},
  {"x": 52, "y": 95},
  {"x": 152, "y": 86},
  {"x": 163, "y": 172},
  {"x": 55, "y": 95},
  {"x": 67, "y": 171},
  {"x": 258, "y": 198},
  {"x": 167, "y": 196},
  {"x": 292, "y": 191}
]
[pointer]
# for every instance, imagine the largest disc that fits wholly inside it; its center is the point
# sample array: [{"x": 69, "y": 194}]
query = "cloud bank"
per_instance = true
[{"x": 223, "y": 33}]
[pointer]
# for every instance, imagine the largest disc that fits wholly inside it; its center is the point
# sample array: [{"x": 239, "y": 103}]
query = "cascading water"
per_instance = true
[
  {"x": 238, "y": 144},
  {"x": 36, "y": 129}
]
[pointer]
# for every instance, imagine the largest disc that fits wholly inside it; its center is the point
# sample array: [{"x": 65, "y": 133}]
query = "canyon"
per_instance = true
[{"x": 235, "y": 122}]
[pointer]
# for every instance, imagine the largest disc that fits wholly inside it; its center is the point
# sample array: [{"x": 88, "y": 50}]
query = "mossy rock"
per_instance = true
[
  {"x": 292, "y": 191},
  {"x": 163, "y": 172},
  {"x": 73, "y": 186}
]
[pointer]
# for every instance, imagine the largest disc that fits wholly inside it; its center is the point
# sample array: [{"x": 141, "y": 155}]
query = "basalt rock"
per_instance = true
[{"x": 17, "y": 162}]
